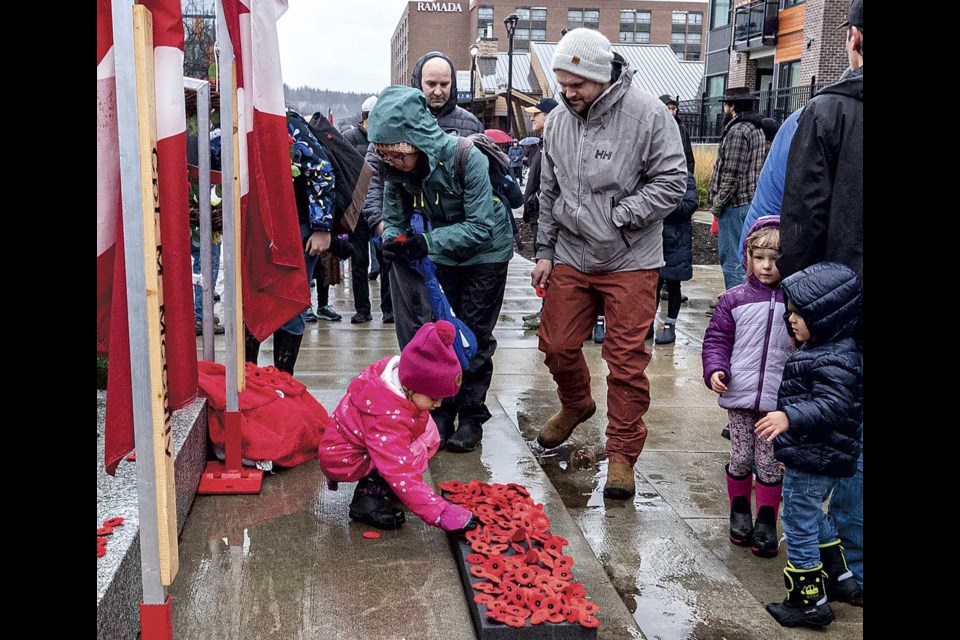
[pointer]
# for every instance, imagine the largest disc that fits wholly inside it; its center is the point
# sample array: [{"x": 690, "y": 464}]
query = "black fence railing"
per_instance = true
[{"x": 704, "y": 120}]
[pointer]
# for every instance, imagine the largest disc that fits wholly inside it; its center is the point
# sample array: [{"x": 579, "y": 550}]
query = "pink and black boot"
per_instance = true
[
  {"x": 741, "y": 517},
  {"x": 765, "y": 541}
]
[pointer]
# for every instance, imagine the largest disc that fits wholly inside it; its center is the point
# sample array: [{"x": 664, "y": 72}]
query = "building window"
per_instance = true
[
  {"x": 531, "y": 25},
  {"x": 786, "y": 4},
  {"x": 635, "y": 26},
  {"x": 685, "y": 34},
  {"x": 484, "y": 20},
  {"x": 588, "y": 18},
  {"x": 789, "y": 75},
  {"x": 719, "y": 13}
]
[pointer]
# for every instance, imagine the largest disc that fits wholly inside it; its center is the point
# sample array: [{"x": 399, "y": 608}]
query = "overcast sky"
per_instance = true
[{"x": 343, "y": 45}]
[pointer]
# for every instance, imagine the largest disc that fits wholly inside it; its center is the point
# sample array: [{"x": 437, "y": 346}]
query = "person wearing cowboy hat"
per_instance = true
[{"x": 735, "y": 173}]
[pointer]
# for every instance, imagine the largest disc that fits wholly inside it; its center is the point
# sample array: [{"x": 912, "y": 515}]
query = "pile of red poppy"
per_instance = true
[{"x": 524, "y": 574}]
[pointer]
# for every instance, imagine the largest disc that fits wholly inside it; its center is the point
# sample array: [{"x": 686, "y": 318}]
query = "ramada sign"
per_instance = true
[{"x": 453, "y": 7}]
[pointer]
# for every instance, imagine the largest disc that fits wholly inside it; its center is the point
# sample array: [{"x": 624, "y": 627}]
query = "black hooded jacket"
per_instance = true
[
  {"x": 822, "y": 213},
  {"x": 822, "y": 387},
  {"x": 451, "y": 118}
]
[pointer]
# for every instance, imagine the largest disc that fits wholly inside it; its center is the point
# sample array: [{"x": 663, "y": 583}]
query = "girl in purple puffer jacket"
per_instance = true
[{"x": 744, "y": 351}]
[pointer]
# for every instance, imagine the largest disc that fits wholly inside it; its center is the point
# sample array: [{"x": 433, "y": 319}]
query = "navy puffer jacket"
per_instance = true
[{"x": 821, "y": 391}]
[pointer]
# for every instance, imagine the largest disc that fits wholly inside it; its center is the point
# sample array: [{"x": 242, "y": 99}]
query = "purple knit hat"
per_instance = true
[{"x": 428, "y": 364}]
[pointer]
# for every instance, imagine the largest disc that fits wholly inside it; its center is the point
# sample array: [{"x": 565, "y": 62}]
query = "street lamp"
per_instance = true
[
  {"x": 474, "y": 50},
  {"x": 510, "y": 22}
]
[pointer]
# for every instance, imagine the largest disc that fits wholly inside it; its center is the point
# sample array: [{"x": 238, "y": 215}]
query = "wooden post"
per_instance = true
[{"x": 162, "y": 435}]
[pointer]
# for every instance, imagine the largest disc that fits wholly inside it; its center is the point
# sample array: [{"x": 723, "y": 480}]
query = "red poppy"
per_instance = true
[
  {"x": 514, "y": 610},
  {"x": 499, "y": 547},
  {"x": 494, "y": 565},
  {"x": 518, "y": 597},
  {"x": 546, "y": 559},
  {"x": 105, "y": 531},
  {"x": 481, "y": 547},
  {"x": 540, "y": 616},
  {"x": 532, "y": 557},
  {"x": 589, "y": 606},
  {"x": 554, "y": 545},
  {"x": 486, "y": 587},
  {"x": 574, "y": 591},
  {"x": 518, "y": 548},
  {"x": 514, "y": 621},
  {"x": 563, "y": 574},
  {"x": 512, "y": 563},
  {"x": 101, "y": 551},
  {"x": 113, "y": 522},
  {"x": 372, "y": 535},
  {"x": 483, "y": 598},
  {"x": 556, "y": 585},
  {"x": 453, "y": 486},
  {"x": 571, "y": 614},
  {"x": 564, "y": 562},
  {"x": 519, "y": 488},
  {"x": 476, "y": 558},
  {"x": 588, "y": 621},
  {"x": 535, "y": 600},
  {"x": 525, "y": 577}
]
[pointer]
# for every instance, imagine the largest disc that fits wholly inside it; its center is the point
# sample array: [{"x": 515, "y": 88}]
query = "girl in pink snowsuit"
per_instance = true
[{"x": 382, "y": 435}]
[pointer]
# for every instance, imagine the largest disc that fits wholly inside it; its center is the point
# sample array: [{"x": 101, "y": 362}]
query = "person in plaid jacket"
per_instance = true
[{"x": 734, "y": 181}]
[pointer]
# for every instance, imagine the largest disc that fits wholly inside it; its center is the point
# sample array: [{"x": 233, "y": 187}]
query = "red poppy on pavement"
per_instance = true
[
  {"x": 372, "y": 535},
  {"x": 453, "y": 486},
  {"x": 563, "y": 574},
  {"x": 563, "y": 562},
  {"x": 571, "y": 614},
  {"x": 105, "y": 531},
  {"x": 588, "y": 621},
  {"x": 540, "y": 616},
  {"x": 113, "y": 522},
  {"x": 574, "y": 591},
  {"x": 514, "y": 621}
]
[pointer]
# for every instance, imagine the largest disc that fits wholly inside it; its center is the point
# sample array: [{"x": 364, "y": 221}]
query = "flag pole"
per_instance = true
[
  {"x": 137, "y": 133},
  {"x": 230, "y": 477}
]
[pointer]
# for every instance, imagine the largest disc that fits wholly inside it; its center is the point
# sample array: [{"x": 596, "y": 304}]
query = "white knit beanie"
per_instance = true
[{"x": 585, "y": 53}]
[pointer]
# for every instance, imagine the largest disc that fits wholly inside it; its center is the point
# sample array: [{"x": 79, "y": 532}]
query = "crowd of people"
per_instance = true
[{"x": 783, "y": 349}]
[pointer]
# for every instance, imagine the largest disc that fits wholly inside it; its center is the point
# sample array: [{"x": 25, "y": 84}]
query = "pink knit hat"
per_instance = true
[{"x": 428, "y": 364}]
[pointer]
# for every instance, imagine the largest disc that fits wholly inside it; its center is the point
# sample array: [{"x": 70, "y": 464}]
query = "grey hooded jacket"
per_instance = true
[{"x": 608, "y": 180}]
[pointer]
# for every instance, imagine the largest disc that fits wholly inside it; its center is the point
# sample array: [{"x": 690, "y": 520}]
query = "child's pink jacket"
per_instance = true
[{"x": 374, "y": 427}]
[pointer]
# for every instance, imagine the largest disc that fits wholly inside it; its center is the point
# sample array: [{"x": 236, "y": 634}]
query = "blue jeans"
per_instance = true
[
  {"x": 374, "y": 265},
  {"x": 197, "y": 290},
  {"x": 846, "y": 508},
  {"x": 802, "y": 516},
  {"x": 298, "y": 323},
  {"x": 731, "y": 221}
]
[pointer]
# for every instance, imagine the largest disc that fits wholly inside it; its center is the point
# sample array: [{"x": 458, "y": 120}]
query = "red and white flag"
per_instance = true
[
  {"x": 274, "y": 274},
  {"x": 112, "y": 328}
]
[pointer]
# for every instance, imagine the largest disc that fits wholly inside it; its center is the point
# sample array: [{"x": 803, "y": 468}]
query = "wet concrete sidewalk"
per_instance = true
[{"x": 288, "y": 563}]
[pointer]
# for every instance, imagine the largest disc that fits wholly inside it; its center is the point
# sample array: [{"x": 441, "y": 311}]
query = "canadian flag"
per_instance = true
[
  {"x": 113, "y": 336},
  {"x": 274, "y": 277}
]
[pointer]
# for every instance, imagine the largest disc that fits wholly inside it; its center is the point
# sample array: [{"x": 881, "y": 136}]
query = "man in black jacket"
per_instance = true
[{"x": 821, "y": 218}]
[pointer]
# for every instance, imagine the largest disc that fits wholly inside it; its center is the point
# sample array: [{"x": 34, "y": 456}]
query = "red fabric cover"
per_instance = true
[
  {"x": 374, "y": 428},
  {"x": 283, "y": 428}
]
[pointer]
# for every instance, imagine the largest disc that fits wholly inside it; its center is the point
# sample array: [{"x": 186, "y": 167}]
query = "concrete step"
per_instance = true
[{"x": 119, "y": 585}]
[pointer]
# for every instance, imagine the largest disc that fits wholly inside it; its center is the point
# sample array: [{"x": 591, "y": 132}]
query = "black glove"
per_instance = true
[
  {"x": 416, "y": 247},
  {"x": 392, "y": 251}
]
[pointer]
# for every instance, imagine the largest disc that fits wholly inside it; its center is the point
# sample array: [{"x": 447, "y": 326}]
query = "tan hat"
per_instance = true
[{"x": 401, "y": 147}]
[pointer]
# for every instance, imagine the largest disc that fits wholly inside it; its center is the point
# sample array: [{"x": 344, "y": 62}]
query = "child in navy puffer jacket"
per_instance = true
[
  {"x": 816, "y": 435},
  {"x": 744, "y": 350}
]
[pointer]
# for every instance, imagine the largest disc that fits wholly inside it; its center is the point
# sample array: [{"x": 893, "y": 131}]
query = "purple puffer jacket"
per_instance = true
[{"x": 747, "y": 339}]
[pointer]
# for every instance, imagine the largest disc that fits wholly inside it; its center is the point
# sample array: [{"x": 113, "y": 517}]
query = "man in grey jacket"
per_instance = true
[{"x": 613, "y": 168}]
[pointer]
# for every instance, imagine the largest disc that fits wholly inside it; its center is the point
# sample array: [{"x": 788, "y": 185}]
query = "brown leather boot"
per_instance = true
[
  {"x": 620, "y": 483},
  {"x": 561, "y": 425}
]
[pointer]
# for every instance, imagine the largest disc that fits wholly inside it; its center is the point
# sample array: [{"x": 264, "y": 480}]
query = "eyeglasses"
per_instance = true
[{"x": 394, "y": 157}]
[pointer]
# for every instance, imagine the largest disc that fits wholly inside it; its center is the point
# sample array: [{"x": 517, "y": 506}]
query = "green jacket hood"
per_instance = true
[{"x": 402, "y": 115}]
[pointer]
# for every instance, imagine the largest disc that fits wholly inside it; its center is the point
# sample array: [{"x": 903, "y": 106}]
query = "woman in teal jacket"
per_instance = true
[{"x": 468, "y": 237}]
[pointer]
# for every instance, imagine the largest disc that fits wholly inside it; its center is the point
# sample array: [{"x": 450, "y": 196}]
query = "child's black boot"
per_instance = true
[
  {"x": 806, "y": 602},
  {"x": 741, "y": 517},
  {"x": 841, "y": 585},
  {"x": 372, "y": 504}
]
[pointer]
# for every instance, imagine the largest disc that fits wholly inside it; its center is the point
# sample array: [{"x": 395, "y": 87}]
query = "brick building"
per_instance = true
[
  {"x": 452, "y": 27},
  {"x": 782, "y": 49}
]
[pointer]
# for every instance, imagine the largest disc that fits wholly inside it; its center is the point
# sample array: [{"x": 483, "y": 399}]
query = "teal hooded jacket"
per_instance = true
[{"x": 469, "y": 223}]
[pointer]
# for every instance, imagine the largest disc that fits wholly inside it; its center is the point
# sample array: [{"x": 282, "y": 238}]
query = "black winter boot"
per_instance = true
[
  {"x": 372, "y": 504},
  {"x": 445, "y": 419},
  {"x": 806, "y": 602},
  {"x": 841, "y": 585},
  {"x": 466, "y": 438},
  {"x": 286, "y": 348},
  {"x": 741, "y": 517},
  {"x": 765, "y": 540},
  {"x": 251, "y": 347}
]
